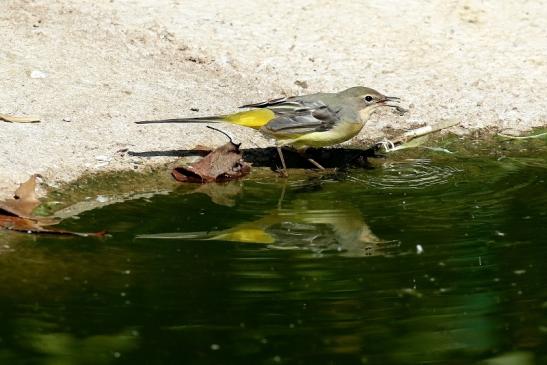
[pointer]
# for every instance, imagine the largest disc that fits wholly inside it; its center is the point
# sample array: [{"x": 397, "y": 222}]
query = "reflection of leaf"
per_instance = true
[
  {"x": 35, "y": 225},
  {"x": 16, "y": 214},
  {"x": 221, "y": 193},
  {"x": 18, "y": 119},
  {"x": 223, "y": 164}
]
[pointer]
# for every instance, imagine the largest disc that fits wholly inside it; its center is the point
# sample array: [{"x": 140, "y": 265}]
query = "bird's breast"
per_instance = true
[{"x": 341, "y": 132}]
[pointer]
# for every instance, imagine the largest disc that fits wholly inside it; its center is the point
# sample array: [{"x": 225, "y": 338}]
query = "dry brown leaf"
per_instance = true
[
  {"x": 24, "y": 200},
  {"x": 202, "y": 148},
  {"x": 19, "y": 119},
  {"x": 27, "y": 190},
  {"x": 16, "y": 213},
  {"x": 15, "y": 223},
  {"x": 29, "y": 225},
  {"x": 223, "y": 164}
]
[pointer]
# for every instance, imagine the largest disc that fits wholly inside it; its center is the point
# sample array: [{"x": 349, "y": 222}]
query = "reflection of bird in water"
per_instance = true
[
  {"x": 308, "y": 223},
  {"x": 321, "y": 230}
]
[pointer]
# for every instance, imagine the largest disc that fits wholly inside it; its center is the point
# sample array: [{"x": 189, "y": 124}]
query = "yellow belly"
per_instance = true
[
  {"x": 342, "y": 132},
  {"x": 255, "y": 118}
]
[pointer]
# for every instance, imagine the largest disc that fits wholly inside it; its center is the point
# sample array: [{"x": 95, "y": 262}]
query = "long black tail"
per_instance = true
[{"x": 184, "y": 120}]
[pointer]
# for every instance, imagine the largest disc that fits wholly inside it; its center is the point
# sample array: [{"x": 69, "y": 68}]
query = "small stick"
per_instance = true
[
  {"x": 226, "y": 134},
  {"x": 418, "y": 132},
  {"x": 315, "y": 163},
  {"x": 407, "y": 136}
]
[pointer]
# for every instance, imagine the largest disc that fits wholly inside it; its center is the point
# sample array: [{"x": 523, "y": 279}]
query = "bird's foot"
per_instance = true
[
  {"x": 387, "y": 145},
  {"x": 282, "y": 173}
]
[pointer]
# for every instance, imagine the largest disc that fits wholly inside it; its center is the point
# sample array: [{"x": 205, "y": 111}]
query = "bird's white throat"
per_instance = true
[{"x": 365, "y": 113}]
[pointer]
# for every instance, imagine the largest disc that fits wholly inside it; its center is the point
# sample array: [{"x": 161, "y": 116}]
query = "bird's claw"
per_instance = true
[
  {"x": 387, "y": 145},
  {"x": 282, "y": 173}
]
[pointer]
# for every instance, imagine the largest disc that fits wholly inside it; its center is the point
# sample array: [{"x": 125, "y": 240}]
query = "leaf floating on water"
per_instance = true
[
  {"x": 16, "y": 214},
  {"x": 223, "y": 164},
  {"x": 19, "y": 119}
]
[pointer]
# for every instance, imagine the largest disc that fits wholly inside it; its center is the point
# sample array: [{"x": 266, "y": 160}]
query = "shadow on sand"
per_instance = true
[{"x": 267, "y": 157}]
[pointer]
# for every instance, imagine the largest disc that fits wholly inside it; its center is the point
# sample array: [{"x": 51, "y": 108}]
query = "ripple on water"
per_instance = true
[{"x": 411, "y": 174}]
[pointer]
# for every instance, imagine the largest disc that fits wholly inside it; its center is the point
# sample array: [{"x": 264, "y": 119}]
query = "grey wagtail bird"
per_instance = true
[{"x": 315, "y": 120}]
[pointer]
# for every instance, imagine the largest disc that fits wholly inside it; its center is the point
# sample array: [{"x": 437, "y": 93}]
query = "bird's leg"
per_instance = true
[
  {"x": 282, "y": 197},
  {"x": 311, "y": 160},
  {"x": 284, "y": 171}
]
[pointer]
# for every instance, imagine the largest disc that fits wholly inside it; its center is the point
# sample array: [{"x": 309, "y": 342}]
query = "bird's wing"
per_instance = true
[
  {"x": 303, "y": 121},
  {"x": 289, "y": 104},
  {"x": 267, "y": 103}
]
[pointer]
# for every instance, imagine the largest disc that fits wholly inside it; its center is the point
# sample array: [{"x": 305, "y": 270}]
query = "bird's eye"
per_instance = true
[{"x": 368, "y": 98}]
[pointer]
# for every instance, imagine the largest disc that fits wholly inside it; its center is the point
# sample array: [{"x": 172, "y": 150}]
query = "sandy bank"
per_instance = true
[{"x": 112, "y": 63}]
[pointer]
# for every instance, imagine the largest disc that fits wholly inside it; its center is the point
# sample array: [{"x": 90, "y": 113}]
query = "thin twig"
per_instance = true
[{"x": 226, "y": 134}]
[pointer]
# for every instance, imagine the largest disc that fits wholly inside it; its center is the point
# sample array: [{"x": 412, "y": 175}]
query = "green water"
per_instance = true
[{"x": 417, "y": 261}]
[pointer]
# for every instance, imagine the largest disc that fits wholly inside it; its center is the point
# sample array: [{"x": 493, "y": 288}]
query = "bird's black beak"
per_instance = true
[{"x": 391, "y": 99}]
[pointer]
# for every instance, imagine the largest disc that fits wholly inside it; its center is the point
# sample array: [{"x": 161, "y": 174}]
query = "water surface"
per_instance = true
[{"x": 420, "y": 260}]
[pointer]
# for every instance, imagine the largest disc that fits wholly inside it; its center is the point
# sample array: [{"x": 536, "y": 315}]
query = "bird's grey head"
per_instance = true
[
  {"x": 367, "y": 96},
  {"x": 368, "y": 100}
]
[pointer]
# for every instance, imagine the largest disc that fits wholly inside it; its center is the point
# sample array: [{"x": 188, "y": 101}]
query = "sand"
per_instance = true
[{"x": 90, "y": 70}]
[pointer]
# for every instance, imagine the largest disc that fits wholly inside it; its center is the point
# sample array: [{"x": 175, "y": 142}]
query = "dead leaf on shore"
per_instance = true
[
  {"x": 24, "y": 200},
  {"x": 16, "y": 214},
  {"x": 223, "y": 164},
  {"x": 19, "y": 119}
]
